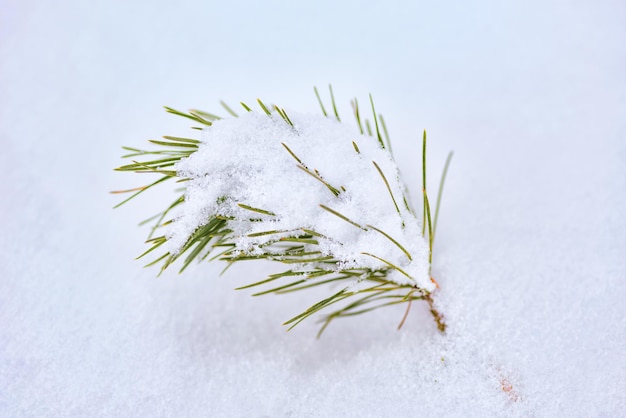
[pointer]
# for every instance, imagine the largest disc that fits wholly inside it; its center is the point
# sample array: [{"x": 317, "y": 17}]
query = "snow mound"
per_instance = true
[{"x": 318, "y": 176}]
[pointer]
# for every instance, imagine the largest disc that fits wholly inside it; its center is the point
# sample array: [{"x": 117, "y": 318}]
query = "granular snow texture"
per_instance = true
[
  {"x": 530, "y": 244},
  {"x": 260, "y": 162}
]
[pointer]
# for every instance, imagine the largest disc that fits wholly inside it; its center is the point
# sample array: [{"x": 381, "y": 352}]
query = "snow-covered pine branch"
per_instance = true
[{"x": 320, "y": 196}]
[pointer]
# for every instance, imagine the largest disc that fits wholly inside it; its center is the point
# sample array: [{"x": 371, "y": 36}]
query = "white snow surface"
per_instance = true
[
  {"x": 530, "y": 243},
  {"x": 247, "y": 160}
]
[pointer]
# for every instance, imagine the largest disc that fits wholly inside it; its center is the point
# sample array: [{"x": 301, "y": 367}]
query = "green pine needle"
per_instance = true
[
  {"x": 319, "y": 100},
  {"x": 332, "y": 99}
]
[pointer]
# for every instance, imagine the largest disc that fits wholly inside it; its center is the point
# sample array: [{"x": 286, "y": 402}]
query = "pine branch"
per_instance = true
[{"x": 362, "y": 289}]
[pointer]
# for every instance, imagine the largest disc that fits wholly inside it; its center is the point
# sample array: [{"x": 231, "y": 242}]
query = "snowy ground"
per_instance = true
[{"x": 531, "y": 245}]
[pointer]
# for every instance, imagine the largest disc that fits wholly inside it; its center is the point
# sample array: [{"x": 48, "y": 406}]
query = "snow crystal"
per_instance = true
[{"x": 264, "y": 163}]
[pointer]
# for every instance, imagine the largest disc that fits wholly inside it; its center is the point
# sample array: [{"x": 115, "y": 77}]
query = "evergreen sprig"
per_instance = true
[{"x": 364, "y": 289}]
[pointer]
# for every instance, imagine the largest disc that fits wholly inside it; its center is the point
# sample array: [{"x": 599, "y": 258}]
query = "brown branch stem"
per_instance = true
[{"x": 439, "y": 318}]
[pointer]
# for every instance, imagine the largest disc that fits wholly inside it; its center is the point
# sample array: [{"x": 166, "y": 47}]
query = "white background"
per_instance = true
[{"x": 531, "y": 243}]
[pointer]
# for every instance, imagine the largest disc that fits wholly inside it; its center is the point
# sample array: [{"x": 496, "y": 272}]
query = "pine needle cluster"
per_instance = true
[{"x": 306, "y": 266}]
